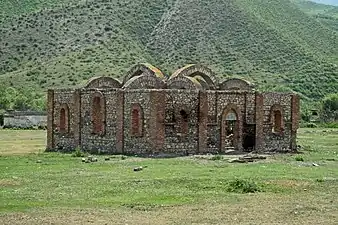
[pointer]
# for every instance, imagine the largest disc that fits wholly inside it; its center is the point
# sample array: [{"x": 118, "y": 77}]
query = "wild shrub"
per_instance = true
[
  {"x": 216, "y": 157},
  {"x": 299, "y": 159},
  {"x": 78, "y": 153},
  {"x": 311, "y": 125},
  {"x": 243, "y": 186}
]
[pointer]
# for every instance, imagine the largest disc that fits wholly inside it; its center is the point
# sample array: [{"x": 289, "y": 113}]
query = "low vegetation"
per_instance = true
[{"x": 39, "y": 188}]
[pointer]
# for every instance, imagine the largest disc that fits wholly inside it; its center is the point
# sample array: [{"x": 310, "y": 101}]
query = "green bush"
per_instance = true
[
  {"x": 331, "y": 125},
  {"x": 311, "y": 125},
  {"x": 243, "y": 186},
  {"x": 217, "y": 157},
  {"x": 78, "y": 153},
  {"x": 299, "y": 159}
]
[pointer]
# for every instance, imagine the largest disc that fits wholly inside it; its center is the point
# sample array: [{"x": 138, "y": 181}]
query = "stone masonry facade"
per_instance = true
[{"x": 189, "y": 112}]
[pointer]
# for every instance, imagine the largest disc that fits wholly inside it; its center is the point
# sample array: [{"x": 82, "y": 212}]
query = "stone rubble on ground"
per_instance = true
[{"x": 247, "y": 158}]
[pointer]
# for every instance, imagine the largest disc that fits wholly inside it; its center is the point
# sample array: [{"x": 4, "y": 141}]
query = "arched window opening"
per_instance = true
[
  {"x": 183, "y": 123},
  {"x": 277, "y": 122},
  {"x": 63, "y": 119},
  {"x": 136, "y": 121},
  {"x": 97, "y": 115},
  {"x": 184, "y": 115}
]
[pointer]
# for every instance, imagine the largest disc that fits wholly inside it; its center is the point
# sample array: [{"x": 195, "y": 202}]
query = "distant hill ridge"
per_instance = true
[{"x": 275, "y": 44}]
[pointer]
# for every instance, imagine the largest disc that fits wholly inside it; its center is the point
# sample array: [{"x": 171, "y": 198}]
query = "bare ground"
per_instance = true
[{"x": 252, "y": 209}]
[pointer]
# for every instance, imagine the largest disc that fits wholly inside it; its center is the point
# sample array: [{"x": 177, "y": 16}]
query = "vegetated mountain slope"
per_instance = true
[
  {"x": 272, "y": 43},
  {"x": 268, "y": 41},
  {"x": 325, "y": 14},
  {"x": 10, "y": 8},
  {"x": 64, "y": 46}
]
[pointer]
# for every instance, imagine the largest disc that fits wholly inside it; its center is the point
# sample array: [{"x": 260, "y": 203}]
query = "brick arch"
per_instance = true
[
  {"x": 145, "y": 69},
  {"x": 103, "y": 82},
  {"x": 144, "y": 82},
  {"x": 98, "y": 113},
  {"x": 277, "y": 119},
  {"x": 136, "y": 124},
  {"x": 64, "y": 118},
  {"x": 184, "y": 82},
  {"x": 194, "y": 70},
  {"x": 238, "y": 127},
  {"x": 236, "y": 84}
]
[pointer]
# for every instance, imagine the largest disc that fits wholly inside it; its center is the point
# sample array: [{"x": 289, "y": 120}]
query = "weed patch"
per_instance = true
[{"x": 243, "y": 186}]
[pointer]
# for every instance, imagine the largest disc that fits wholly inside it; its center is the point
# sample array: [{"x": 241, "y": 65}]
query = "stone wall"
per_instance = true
[
  {"x": 181, "y": 121},
  {"x": 105, "y": 142},
  {"x": 277, "y": 141},
  {"x": 63, "y": 99},
  {"x": 140, "y": 144},
  {"x": 188, "y": 113},
  {"x": 24, "y": 120}
]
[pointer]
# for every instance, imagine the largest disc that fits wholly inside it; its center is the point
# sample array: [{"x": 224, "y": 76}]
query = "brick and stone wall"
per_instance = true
[
  {"x": 181, "y": 121},
  {"x": 64, "y": 139},
  {"x": 277, "y": 141},
  {"x": 105, "y": 141},
  {"x": 140, "y": 144},
  {"x": 189, "y": 113}
]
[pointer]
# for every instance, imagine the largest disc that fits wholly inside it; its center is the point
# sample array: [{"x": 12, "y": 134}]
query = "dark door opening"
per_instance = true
[{"x": 249, "y": 137}]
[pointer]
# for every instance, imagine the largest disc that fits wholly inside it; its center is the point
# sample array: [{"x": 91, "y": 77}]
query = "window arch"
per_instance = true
[
  {"x": 98, "y": 113},
  {"x": 183, "y": 122},
  {"x": 136, "y": 128},
  {"x": 64, "y": 119},
  {"x": 277, "y": 121}
]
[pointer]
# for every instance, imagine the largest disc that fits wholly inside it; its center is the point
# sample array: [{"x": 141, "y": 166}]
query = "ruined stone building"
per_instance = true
[{"x": 189, "y": 112}]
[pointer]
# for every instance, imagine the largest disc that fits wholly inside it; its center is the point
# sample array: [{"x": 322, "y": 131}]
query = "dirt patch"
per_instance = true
[
  {"x": 290, "y": 183},
  {"x": 9, "y": 183},
  {"x": 248, "y": 209}
]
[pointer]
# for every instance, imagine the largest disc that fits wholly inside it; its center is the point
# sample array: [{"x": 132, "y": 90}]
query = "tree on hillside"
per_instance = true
[
  {"x": 21, "y": 99},
  {"x": 330, "y": 108}
]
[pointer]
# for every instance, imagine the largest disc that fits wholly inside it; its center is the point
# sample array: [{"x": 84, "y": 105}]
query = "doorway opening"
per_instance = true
[
  {"x": 230, "y": 123},
  {"x": 249, "y": 140}
]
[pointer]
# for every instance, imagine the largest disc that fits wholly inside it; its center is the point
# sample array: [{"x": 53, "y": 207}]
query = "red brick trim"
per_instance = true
[
  {"x": 259, "y": 117},
  {"x": 157, "y": 112},
  {"x": 295, "y": 117},
  {"x": 202, "y": 122},
  {"x": 50, "y": 119},
  {"x": 77, "y": 118},
  {"x": 120, "y": 121}
]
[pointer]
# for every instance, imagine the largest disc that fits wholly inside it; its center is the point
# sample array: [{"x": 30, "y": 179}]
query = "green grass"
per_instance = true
[{"x": 42, "y": 187}]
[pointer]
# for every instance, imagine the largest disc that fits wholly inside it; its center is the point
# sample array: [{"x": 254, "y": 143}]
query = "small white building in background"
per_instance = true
[{"x": 25, "y": 119}]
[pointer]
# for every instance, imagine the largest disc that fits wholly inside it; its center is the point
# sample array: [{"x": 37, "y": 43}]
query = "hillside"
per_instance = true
[
  {"x": 325, "y": 14},
  {"x": 272, "y": 43}
]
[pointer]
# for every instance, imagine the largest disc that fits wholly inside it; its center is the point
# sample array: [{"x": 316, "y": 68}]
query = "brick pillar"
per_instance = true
[
  {"x": 157, "y": 117},
  {"x": 295, "y": 111},
  {"x": 259, "y": 122},
  {"x": 50, "y": 120},
  {"x": 120, "y": 122},
  {"x": 202, "y": 122},
  {"x": 77, "y": 117}
]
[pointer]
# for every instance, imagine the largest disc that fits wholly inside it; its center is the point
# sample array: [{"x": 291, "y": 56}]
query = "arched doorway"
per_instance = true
[{"x": 230, "y": 130}]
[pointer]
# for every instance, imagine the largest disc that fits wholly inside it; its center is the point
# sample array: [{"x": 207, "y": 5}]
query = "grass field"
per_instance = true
[{"x": 51, "y": 188}]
